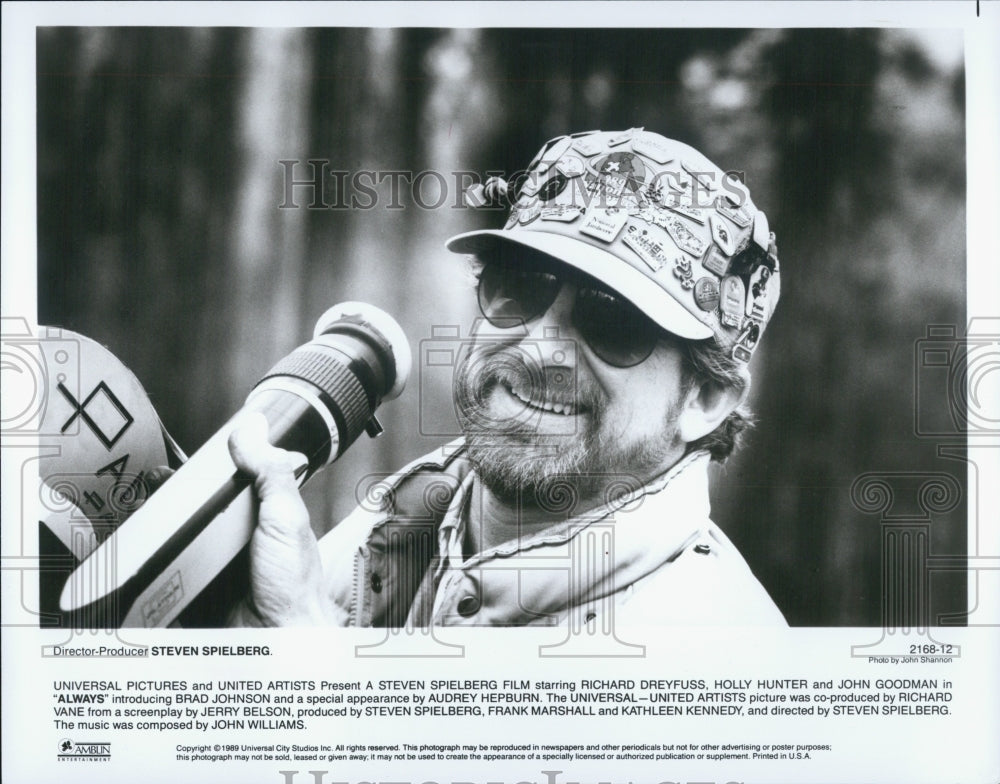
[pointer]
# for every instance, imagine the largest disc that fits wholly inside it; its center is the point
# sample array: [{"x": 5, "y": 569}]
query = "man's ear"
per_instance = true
[{"x": 706, "y": 406}]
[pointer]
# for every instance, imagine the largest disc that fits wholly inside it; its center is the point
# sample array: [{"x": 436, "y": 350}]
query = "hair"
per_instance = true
[{"x": 706, "y": 361}]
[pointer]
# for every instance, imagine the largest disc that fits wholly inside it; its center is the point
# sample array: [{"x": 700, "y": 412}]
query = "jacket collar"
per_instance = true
[
  {"x": 581, "y": 560},
  {"x": 681, "y": 489}
]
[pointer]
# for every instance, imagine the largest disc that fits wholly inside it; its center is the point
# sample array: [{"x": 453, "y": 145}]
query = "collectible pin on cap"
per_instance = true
[{"x": 655, "y": 220}]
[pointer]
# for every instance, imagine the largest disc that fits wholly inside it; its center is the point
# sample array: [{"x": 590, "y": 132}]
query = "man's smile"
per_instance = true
[{"x": 530, "y": 397}]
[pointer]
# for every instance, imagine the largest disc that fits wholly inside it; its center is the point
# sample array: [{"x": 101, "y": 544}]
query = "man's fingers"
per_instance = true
[{"x": 156, "y": 477}]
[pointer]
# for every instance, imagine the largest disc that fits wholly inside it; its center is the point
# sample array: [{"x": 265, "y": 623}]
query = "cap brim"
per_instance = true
[{"x": 632, "y": 284}]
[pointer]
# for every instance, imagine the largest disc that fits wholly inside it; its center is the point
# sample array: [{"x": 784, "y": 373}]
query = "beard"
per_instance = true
[{"x": 564, "y": 463}]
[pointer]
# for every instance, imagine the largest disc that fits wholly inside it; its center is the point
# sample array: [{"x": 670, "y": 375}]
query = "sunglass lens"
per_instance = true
[
  {"x": 618, "y": 332},
  {"x": 510, "y": 296}
]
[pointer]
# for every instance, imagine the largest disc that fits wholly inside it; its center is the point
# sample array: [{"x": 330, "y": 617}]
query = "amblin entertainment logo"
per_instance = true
[{"x": 69, "y": 751}]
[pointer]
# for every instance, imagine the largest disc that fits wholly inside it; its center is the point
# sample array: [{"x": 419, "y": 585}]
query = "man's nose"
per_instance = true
[{"x": 553, "y": 338}]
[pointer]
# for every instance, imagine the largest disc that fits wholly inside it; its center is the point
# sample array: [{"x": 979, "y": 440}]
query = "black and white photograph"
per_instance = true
[
  {"x": 205, "y": 195},
  {"x": 651, "y": 353}
]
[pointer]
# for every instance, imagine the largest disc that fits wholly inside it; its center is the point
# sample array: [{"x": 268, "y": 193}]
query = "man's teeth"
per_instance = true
[{"x": 565, "y": 408}]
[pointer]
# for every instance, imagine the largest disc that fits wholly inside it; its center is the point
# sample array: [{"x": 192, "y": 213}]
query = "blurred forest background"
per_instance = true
[{"x": 160, "y": 233}]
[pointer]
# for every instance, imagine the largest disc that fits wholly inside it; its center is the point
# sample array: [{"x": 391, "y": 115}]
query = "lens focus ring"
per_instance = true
[{"x": 341, "y": 391}]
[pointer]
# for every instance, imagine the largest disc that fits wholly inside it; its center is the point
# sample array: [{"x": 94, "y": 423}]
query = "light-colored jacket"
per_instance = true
[{"x": 652, "y": 557}]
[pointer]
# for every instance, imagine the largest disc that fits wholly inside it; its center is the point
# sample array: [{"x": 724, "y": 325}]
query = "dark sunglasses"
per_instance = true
[{"x": 512, "y": 294}]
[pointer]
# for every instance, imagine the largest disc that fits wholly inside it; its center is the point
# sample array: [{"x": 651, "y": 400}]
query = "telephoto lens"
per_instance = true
[
  {"x": 323, "y": 395},
  {"x": 317, "y": 401}
]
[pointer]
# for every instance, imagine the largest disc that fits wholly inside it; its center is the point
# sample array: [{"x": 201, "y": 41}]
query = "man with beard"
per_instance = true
[{"x": 621, "y": 303}]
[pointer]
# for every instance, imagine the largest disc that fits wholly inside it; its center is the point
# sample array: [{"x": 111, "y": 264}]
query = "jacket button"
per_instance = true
[
  {"x": 468, "y": 605},
  {"x": 702, "y": 549},
  {"x": 376, "y": 583}
]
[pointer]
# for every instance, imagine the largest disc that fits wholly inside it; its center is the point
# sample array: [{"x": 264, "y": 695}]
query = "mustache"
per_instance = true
[{"x": 521, "y": 368}]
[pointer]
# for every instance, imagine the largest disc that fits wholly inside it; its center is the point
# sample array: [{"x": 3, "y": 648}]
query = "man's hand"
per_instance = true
[{"x": 286, "y": 576}]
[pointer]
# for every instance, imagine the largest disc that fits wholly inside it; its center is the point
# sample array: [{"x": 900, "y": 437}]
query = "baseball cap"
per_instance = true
[{"x": 653, "y": 219}]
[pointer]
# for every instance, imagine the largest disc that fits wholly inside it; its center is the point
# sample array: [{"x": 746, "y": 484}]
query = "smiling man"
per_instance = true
[{"x": 620, "y": 305}]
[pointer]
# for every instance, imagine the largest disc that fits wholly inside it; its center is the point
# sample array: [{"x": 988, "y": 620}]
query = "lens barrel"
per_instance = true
[{"x": 343, "y": 374}]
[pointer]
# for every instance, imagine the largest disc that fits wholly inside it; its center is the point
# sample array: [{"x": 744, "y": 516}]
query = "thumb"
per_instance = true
[
  {"x": 274, "y": 472},
  {"x": 286, "y": 575}
]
